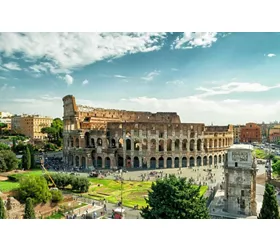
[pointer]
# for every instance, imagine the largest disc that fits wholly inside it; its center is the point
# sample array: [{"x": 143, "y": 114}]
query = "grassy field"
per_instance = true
[
  {"x": 260, "y": 154},
  {"x": 6, "y": 186},
  {"x": 56, "y": 216},
  {"x": 133, "y": 191}
]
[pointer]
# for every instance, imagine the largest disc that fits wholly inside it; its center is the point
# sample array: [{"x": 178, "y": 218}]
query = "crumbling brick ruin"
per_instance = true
[{"x": 106, "y": 138}]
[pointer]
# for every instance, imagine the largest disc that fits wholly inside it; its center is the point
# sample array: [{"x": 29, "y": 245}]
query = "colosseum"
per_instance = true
[{"x": 106, "y": 138}]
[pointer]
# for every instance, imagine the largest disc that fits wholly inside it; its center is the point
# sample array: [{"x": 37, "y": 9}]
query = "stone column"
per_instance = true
[
  {"x": 173, "y": 145},
  {"x": 213, "y": 143},
  {"x": 188, "y": 162},
  {"x": 195, "y": 145},
  {"x": 157, "y": 144},
  {"x": 140, "y": 162},
  {"x": 124, "y": 149},
  {"x": 164, "y": 162},
  {"x": 103, "y": 162},
  {"x": 132, "y": 160},
  {"x": 148, "y": 163},
  {"x": 165, "y": 145},
  {"x": 157, "y": 162},
  {"x": 173, "y": 160},
  {"x": 202, "y": 145}
]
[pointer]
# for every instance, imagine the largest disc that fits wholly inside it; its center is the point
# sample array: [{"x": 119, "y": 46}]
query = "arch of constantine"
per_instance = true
[{"x": 106, "y": 138}]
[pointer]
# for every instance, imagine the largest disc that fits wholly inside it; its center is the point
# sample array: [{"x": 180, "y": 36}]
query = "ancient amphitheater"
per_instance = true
[{"x": 106, "y": 138}]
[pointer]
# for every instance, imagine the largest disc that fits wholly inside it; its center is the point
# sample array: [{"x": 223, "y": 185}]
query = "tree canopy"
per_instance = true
[
  {"x": 4, "y": 146},
  {"x": 175, "y": 198},
  {"x": 34, "y": 187},
  {"x": 26, "y": 159},
  {"x": 8, "y": 161},
  {"x": 269, "y": 208},
  {"x": 54, "y": 132}
]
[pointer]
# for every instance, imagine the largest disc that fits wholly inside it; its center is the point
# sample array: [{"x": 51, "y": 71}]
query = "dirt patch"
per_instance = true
[
  {"x": 12, "y": 172},
  {"x": 3, "y": 178}
]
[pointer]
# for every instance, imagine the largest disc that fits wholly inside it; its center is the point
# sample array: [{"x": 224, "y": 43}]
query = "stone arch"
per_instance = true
[
  {"x": 128, "y": 161},
  {"x": 83, "y": 162},
  {"x": 210, "y": 143},
  {"x": 120, "y": 143},
  {"x": 176, "y": 162},
  {"x": 120, "y": 161},
  {"x": 223, "y": 158},
  {"x": 136, "y": 162},
  {"x": 136, "y": 144},
  {"x": 161, "y": 145},
  {"x": 107, "y": 162},
  {"x": 198, "y": 145},
  {"x": 184, "y": 162},
  {"x": 144, "y": 145},
  {"x": 99, "y": 142},
  {"x": 77, "y": 143},
  {"x": 184, "y": 144},
  {"x": 87, "y": 140},
  {"x": 169, "y": 162},
  {"x": 169, "y": 145},
  {"x": 92, "y": 142},
  {"x": 210, "y": 160},
  {"x": 71, "y": 142},
  {"x": 153, "y": 145},
  {"x": 153, "y": 162},
  {"x": 220, "y": 159},
  {"x": 192, "y": 161},
  {"x": 128, "y": 144},
  {"x": 161, "y": 162},
  {"x": 198, "y": 161},
  {"x": 177, "y": 144},
  {"x": 77, "y": 161},
  {"x": 192, "y": 145},
  {"x": 99, "y": 162},
  {"x": 113, "y": 143},
  {"x": 215, "y": 143},
  {"x": 215, "y": 159},
  {"x": 205, "y": 161},
  {"x": 144, "y": 163}
]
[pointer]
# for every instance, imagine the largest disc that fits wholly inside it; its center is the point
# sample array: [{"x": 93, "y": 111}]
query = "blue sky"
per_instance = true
[{"x": 208, "y": 77}]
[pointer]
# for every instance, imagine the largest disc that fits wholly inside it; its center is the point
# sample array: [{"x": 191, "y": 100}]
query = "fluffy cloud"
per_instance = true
[
  {"x": 235, "y": 87},
  {"x": 12, "y": 66},
  {"x": 68, "y": 79},
  {"x": 175, "y": 83},
  {"x": 150, "y": 76},
  {"x": 85, "y": 82},
  {"x": 119, "y": 76},
  {"x": 190, "y": 40},
  {"x": 271, "y": 55},
  {"x": 66, "y": 51}
]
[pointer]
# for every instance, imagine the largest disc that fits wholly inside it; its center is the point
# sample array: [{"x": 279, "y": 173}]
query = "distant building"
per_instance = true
[
  {"x": 274, "y": 133},
  {"x": 251, "y": 133},
  {"x": 6, "y": 121},
  {"x": 31, "y": 125},
  {"x": 237, "y": 133},
  {"x": 5, "y": 114}
]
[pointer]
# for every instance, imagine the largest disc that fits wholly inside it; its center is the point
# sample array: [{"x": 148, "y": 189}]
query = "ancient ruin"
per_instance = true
[{"x": 106, "y": 138}]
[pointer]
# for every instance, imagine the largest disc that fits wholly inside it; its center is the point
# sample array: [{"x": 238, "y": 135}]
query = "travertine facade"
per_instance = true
[
  {"x": 240, "y": 181},
  {"x": 107, "y": 138}
]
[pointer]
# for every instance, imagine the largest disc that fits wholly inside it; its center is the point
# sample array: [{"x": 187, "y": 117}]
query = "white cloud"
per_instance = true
[
  {"x": 12, "y": 66},
  {"x": 68, "y": 79},
  {"x": 51, "y": 98},
  {"x": 235, "y": 87},
  {"x": 271, "y": 55},
  {"x": 119, "y": 76},
  {"x": 150, "y": 76},
  {"x": 85, "y": 82},
  {"x": 175, "y": 83},
  {"x": 231, "y": 101},
  {"x": 174, "y": 69},
  {"x": 66, "y": 51},
  {"x": 190, "y": 40}
]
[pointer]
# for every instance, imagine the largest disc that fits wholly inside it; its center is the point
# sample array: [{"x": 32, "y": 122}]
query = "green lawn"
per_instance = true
[
  {"x": 260, "y": 154},
  {"x": 133, "y": 191},
  {"x": 56, "y": 216},
  {"x": 6, "y": 186}
]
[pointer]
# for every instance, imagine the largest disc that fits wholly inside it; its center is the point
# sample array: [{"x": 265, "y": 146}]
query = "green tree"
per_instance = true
[
  {"x": 8, "y": 160},
  {"x": 26, "y": 159},
  {"x": 56, "y": 195},
  {"x": 29, "y": 212},
  {"x": 32, "y": 156},
  {"x": 269, "y": 208},
  {"x": 175, "y": 198},
  {"x": 276, "y": 167},
  {"x": 2, "y": 125},
  {"x": 2, "y": 209},
  {"x": 4, "y": 146},
  {"x": 34, "y": 187}
]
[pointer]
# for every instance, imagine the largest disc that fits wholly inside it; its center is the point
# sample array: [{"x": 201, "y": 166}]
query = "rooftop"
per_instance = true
[{"x": 242, "y": 146}]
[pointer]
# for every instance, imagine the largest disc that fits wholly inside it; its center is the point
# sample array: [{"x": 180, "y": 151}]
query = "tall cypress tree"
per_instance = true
[
  {"x": 29, "y": 212},
  {"x": 269, "y": 208},
  {"x": 32, "y": 156},
  {"x": 26, "y": 159},
  {"x": 2, "y": 209}
]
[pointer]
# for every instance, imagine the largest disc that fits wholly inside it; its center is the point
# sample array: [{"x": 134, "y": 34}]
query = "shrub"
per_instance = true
[
  {"x": 56, "y": 195},
  {"x": 29, "y": 212}
]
